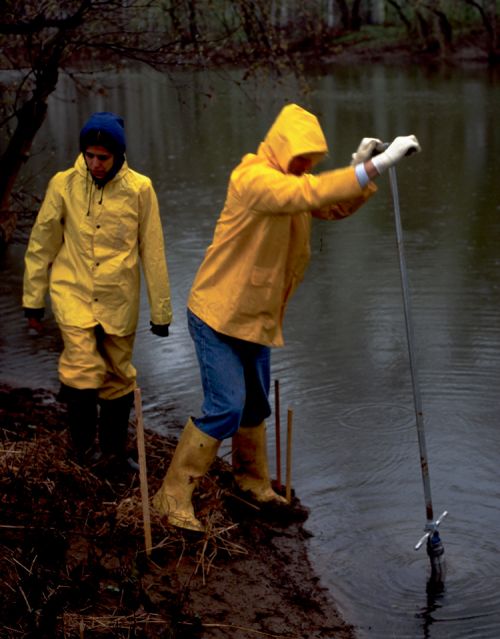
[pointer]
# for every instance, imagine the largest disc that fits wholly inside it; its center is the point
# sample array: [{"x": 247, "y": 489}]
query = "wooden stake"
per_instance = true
[
  {"x": 278, "y": 431},
  {"x": 289, "y": 456},
  {"x": 143, "y": 473}
]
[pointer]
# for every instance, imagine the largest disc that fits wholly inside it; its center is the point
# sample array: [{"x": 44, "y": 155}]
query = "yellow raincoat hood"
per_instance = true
[
  {"x": 294, "y": 132},
  {"x": 260, "y": 249}
]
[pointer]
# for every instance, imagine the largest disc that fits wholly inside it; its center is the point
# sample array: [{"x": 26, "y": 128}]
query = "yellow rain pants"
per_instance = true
[{"x": 92, "y": 358}]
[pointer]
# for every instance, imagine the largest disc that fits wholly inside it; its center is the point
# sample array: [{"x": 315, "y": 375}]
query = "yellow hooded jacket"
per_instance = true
[
  {"x": 261, "y": 245},
  {"x": 88, "y": 242}
]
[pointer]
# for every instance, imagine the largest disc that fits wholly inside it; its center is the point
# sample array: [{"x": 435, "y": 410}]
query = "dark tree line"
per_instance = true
[{"x": 42, "y": 39}]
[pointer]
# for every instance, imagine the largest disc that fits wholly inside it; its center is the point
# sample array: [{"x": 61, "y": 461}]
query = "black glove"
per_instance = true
[
  {"x": 159, "y": 329},
  {"x": 34, "y": 317}
]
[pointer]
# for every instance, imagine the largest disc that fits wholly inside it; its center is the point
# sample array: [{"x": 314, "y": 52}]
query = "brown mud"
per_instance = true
[{"x": 73, "y": 560}]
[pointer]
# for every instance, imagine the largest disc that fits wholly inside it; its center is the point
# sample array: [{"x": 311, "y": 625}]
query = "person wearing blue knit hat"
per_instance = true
[
  {"x": 106, "y": 130},
  {"x": 98, "y": 225}
]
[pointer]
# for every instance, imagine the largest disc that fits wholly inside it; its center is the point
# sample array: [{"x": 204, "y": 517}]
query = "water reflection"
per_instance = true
[
  {"x": 344, "y": 370},
  {"x": 435, "y": 598}
]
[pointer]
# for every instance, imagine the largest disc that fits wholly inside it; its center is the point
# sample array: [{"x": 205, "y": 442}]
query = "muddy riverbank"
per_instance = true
[{"x": 73, "y": 561}]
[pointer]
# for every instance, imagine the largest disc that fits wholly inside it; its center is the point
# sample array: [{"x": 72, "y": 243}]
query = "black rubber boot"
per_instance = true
[
  {"x": 82, "y": 420},
  {"x": 113, "y": 430}
]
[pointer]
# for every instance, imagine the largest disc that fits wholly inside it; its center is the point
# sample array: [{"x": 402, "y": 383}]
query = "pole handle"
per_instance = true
[{"x": 432, "y": 527}]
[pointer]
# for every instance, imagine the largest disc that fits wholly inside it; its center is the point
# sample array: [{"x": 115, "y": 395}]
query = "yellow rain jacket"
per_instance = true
[
  {"x": 89, "y": 241},
  {"x": 261, "y": 245}
]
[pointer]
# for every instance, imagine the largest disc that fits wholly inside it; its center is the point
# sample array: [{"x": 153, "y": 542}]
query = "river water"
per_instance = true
[{"x": 344, "y": 371}]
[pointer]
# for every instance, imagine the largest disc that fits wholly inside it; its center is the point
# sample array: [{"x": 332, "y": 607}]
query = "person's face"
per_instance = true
[
  {"x": 99, "y": 161},
  {"x": 300, "y": 164}
]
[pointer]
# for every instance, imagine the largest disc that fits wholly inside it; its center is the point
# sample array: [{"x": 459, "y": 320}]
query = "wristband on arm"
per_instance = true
[{"x": 362, "y": 175}]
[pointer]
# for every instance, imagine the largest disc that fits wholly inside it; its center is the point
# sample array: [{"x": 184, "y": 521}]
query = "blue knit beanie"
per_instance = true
[{"x": 104, "y": 129}]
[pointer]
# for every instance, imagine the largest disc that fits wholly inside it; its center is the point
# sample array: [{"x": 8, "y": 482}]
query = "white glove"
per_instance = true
[
  {"x": 398, "y": 148},
  {"x": 366, "y": 148}
]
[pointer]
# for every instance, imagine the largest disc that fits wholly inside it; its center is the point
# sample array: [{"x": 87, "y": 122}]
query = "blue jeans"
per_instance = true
[{"x": 235, "y": 375}]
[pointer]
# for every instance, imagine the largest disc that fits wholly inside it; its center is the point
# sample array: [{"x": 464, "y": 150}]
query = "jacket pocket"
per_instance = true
[{"x": 262, "y": 297}]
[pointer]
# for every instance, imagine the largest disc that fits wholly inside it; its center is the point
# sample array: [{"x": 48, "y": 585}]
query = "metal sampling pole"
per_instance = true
[{"x": 435, "y": 548}]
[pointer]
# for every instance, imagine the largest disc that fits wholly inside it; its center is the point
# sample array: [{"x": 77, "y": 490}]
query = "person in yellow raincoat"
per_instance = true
[
  {"x": 98, "y": 223},
  {"x": 237, "y": 302}
]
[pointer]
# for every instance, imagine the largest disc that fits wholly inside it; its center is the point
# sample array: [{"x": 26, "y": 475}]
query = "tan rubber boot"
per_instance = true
[
  {"x": 250, "y": 465},
  {"x": 192, "y": 458}
]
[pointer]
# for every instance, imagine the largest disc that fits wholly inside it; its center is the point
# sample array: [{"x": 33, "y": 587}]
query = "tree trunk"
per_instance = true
[
  {"x": 8, "y": 222},
  {"x": 30, "y": 118},
  {"x": 344, "y": 14},
  {"x": 488, "y": 15},
  {"x": 350, "y": 16},
  {"x": 193, "y": 24},
  {"x": 402, "y": 16},
  {"x": 378, "y": 11}
]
